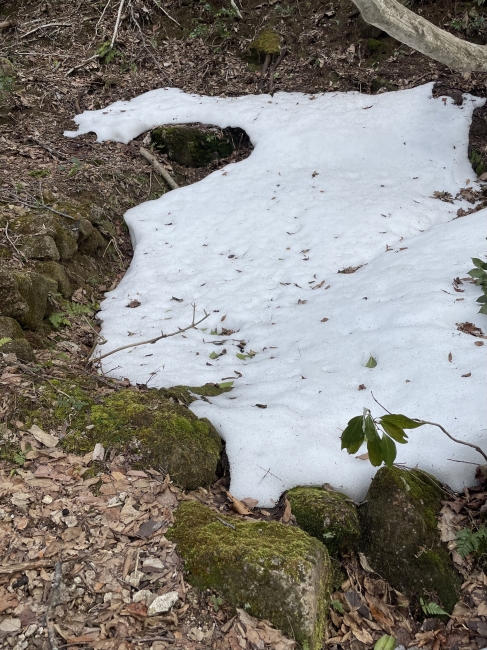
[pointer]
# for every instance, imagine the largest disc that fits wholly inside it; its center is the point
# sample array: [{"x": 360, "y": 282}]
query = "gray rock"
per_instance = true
[
  {"x": 39, "y": 247},
  {"x": 274, "y": 571}
]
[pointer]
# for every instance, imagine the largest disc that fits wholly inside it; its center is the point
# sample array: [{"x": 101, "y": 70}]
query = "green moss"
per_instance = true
[
  {"x": 401, "y": 538},
  {"x": 477, "y": 162},
  {"x": 34, "y": 290},
  {"x": 328, "y": 516},
  {"x": 56, "y": 272},
  {"x": 266, "y": 42},
  {"x": 265, "y": 567},
  {"x": 186, "y": 394},
  {"x": 192, "y": 146}
]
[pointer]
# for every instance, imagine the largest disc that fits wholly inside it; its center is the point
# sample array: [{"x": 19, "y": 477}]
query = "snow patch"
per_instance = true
[{"x": 335, "y": 181}]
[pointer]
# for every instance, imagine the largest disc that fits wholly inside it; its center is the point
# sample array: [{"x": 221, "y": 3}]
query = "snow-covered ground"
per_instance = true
[{"x": 335, "y": 181}]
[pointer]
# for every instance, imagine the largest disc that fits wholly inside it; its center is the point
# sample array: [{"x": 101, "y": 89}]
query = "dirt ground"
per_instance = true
[{"x": 55, "y": 62}]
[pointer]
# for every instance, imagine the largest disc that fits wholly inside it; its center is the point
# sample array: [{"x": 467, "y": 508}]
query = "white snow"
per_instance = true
[{"x": 334, "y": 180}]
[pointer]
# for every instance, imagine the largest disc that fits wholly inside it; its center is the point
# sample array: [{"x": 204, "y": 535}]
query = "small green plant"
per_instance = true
[
  {"x": 432, "y": 609},
  {"x": 200, "y": 31},
  {"x": 6, "y": 83},
  {"x": 71, "y": 403},
  {"x": 337, "y": 606},
  {"x": 477, "y": 162},
  {"x": 469, "y": 541},
  {"x": 380, "y": 448},
  {"x": 386, "y": 642},
  {"x": 39, "y": 173},
  {"x": 59, "y": 319},
  {"x": 19, "y": 458},
  {"x": 479, "y": 274},
  {"x": 106, "y": 52},
  {"x": 4, "y": 341},
  {"x": 216, "y": 602}
]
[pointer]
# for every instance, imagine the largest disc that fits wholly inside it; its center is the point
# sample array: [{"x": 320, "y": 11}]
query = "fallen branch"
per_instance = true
[
  {"x": 159, "y": 168},
  {"x": 117, "y": 24},
  {"x": 56, "y": 583},
  {"x": 460, "y": 442},
  {"x": 53, "y": 153},
  {"x": 81, "y": 65},
  {"x": 26, "y": 566},
  {"x": 36, "y": 29},
  {"x": 154, "y": 340},
  {"x": 165, "y": 12},
  {"x": 40, "y": 206},
  {"x": 264, "y": 72},
  {"x": 417, "y": 32},
  {"x": 280, "y": 58}
]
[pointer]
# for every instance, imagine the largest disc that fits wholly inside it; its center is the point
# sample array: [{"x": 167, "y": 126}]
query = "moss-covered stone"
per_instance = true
[
  {"x": 39, "y": 247},
  {"x": 93, "y": 244},
  {"x": 329, "y": 516},
  {"x": 266, "y": 42},
  {"x": 10, "y": 329},
  {"x": 186, "y": 394},
  {"x": 193, "y": 146},
  {"x": 274, "y": 571},
  {"x": 24, "y": 296},
  {"x": 154, "y": 429},
  {"x": 56, "y": 272},
  {"x": 401, "y": 538}
]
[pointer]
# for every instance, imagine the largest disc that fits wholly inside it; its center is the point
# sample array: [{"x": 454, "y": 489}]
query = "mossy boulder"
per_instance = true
[
  {"x": 266, "y": 42},
  {"x": 39, "y": 247},
  {"x": 158, "y": 432},
  {"x": 331, "y": 517},
  {"x": 24, "y": 296},
  {"x": 274, "y": 571},
  {"x": 193, "y": 146},
  {"x": 56, "y": 272},
  {"x": 187, "y": 394},
  {"x": 401, "y": 538},
  {"x": 10, "y": 329}
]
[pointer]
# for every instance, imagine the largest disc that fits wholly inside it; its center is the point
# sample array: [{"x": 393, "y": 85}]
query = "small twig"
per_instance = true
[
  {"x": 149, "y": 639},
  {"x": 159, "y": 168},
  {"x": 26, "y": 566},
  {"x": 165, "y": 12},
  {"x": 43, "y": 26},
  {"x": 117, "y": 24},
  {"x": 6, "y": 24},
  {"x": 264, "y": 72},
  {"x": 236, "y": 9},
  {"x": 225, "y": 523},
  {"x": 280, "y": 58},
  {"x": 382, "y": 407},
  {"x": 41, "y": 206},
  {"x": 154, "y": 340},
  {"x": 7, "y": 236},
  {"x": 460, "y": 442},
  {"x": 77, "y": 100},
  {"x": 102, "y": 14},
  {"x": 81, "y": 65},
  {"x": 48, "y": 148},
  {"x": 56, "y": 583}
]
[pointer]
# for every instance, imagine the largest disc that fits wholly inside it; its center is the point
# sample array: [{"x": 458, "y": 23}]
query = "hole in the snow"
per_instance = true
[{"x": 193, "y": 151}]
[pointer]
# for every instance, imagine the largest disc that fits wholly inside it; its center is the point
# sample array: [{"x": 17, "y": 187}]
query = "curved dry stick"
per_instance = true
[
  {"x": 417, "y": 32},
  {"x": 460, "y": 442},
  {"x": 154, "y": 340}
]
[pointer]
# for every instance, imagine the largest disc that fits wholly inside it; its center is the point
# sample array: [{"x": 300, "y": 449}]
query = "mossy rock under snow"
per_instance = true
[
  {"x": 401, "y": 538},
  {"x": 155, "y": 430},
  {"x": 274, "y": 571},
  {"x": 331, "y": 517},
  {"x": 193, "y": 146}
]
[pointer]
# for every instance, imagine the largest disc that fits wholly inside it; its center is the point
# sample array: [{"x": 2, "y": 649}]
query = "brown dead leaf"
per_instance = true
[
  {"x": 137, "y": 610},
  {"x": 7, "y": 601},
  {"x": 44, "y": 438},
  {"x": 238, "y": 506},
  {"x": 286, "y": 516},
  {"x": 134, "y": 303}
]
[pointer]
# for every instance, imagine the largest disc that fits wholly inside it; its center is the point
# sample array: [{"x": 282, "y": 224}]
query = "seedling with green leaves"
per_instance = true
[
  {"x": 479, "y": 274},
  {"x": 380, "y": 434}
]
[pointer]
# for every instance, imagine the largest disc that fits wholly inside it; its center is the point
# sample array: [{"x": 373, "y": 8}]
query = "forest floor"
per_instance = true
[{"x": 54, "y": 63}]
